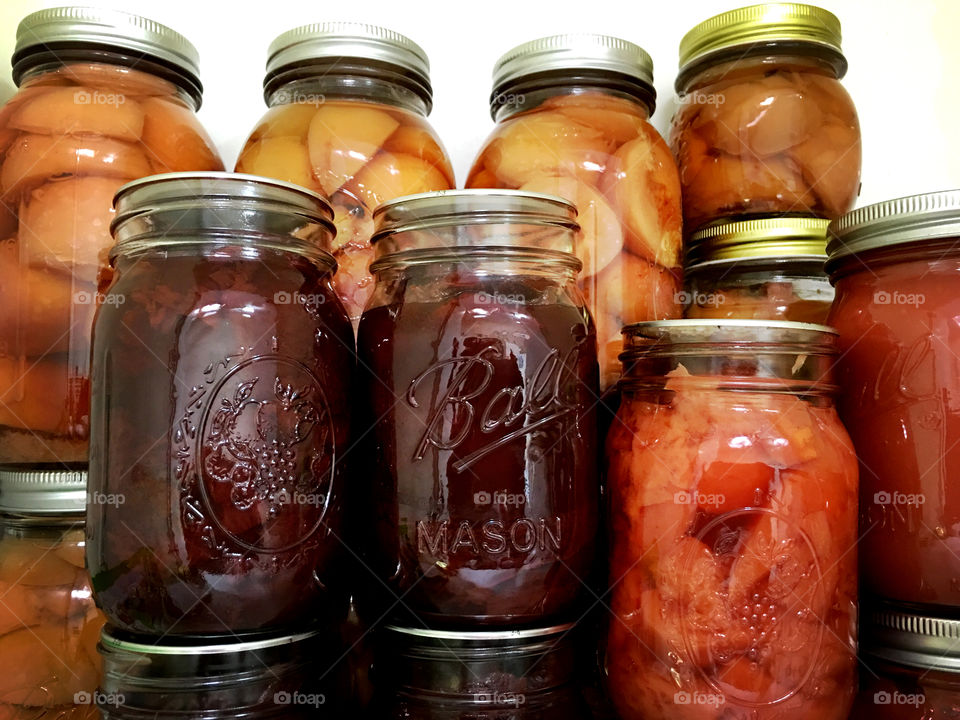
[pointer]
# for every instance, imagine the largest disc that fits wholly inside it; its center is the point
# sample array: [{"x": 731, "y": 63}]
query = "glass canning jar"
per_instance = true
[
  {"x": 763, "y": 125},
  {"x": 482, "y": 675},
  {"x": 480, "y": 498},
  {"x": 733, "y": 496},
  {"x": 104, "y": 98},
  {"x": 253, "y": 679},
  {"x": 348, "y": 118},
  {"x": 895, "y": 267},
  {"x": 222, "y": 364},
  {"x": 770, "y": 269},
  {"x": 49, "y": 624},
  {"x": 572, "y": 119}
]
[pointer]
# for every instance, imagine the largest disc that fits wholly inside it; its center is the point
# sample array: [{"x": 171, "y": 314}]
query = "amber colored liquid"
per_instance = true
[
  {"x": 482, "y": 487},
  {"x": 220, "y": 414}
]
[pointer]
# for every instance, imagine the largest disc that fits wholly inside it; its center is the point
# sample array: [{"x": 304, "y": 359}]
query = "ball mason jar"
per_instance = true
[
  {"x": 273, "y": 677},
  {"x": 221, "y": 402},
  {"x": 480, "y": 385},
  {"x": 894, "y": 266},
  {"x": 104, "y": 98},
  {"x": 572, "y": 119},
  {"x": 348, "y": 118},
  {"x": 763, "y": 124},
  {"x": 49, "y": 624},
  {"x": 482, "y": 675},
  {"x": 733, "y": 534},
  {"x": 770, "y": 269}
]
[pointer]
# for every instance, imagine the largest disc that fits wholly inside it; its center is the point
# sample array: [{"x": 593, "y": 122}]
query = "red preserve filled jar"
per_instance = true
[
  {"x": 733, "y": 491},
  {"x": 481, "y": 381},
  {"x": 895, "y": 267},
  {"x": 910, "y": 668},
  {"x": 221, "y": 400}
]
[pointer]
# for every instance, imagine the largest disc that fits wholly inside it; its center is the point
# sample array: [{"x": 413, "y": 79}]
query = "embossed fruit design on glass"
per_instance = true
[
  {"x": 572, "y": 114},
  {"x": 733, "y": 537},
  {"x": 480, "y": 387},
  {"x": 104, "y": 98},
  {"x": 223, "y": 364},
  {"x": 348, "y": 118}
]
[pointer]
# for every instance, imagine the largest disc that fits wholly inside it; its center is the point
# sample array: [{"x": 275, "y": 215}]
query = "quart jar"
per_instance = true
[
  {"x": 910, "y": 668},
  {"x": 572, "y": 119},
  {"x": 895, "y": 266},
  {"x": 763, "y": 125},
  {"x": 274, "y": 677},
  {"x": 105, "y": 97},
  {"x": 770, "y": 269},
  {"x": 480, "y": 383},
  {"x": 348, "y": 118},
  {"x": 221, "y": 407},
  {"x": 733, "y": 496},
  {"x": 49, "y": 624},
  {"x": 482, "y": 675}
]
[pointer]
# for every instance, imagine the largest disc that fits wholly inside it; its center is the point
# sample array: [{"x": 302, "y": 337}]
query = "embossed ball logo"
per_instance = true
[{"x": 266, "y": 454}]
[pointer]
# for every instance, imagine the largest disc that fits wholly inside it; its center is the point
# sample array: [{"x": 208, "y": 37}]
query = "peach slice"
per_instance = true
[
  {"x": 291, "y": 120},
  {"x": 480, "y": 177},
  {"x": 81, "y": 111},
  {"x": 343, "y": 138},
  {"x": 601, "y": 236},
  {"x": 68, "y": 221},
  {"x": 546, "y": 143},
  {"x": 33, "y": 394},
  {"x": 115, "y": 79},
  {"x": 632, "y": 290},
  {"x": 644, "y": 184},
  {"x": 353, "y": 282},
  {"x": 44, "y": 667},
  {"x": 32, "y": 159},
  {"x": 173, "y": 139},
  {"x": 283, "y": 158},
  {"x": 618, "y": 119},
  {"x": 830, "y": 161},
  {"x": 391, "y": 175},
  {"x": 32, "y": 562},
  {"x": 419, "y": 142},
  {"x": 19, "y": 607}
]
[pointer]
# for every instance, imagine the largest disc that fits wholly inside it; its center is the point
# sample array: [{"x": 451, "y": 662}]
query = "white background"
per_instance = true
[{"x": 904, "y": 64}]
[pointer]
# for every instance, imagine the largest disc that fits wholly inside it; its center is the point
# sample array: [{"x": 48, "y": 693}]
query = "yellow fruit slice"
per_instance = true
[
  {"x": 284, "y": 121},
  {"x": 114, "y": 79},
  {"x": 283, "y": 158},
  {"x": 174, "y": 140},
  {"x": 33, "y": 395},
  {"x": 618, "y": 119},
  {"x": 81, "y": 111},
  {"x": 419, "y": 142},
  {"x": 343, "y": 138},
  {"x": 391, "y": 175},
  {"x": 45, "y": 666}
]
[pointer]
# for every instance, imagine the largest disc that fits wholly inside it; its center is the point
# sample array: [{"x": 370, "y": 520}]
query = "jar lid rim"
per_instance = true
[
  {"x": 759, "y": 238},
  {"x": 655, "y": 329},
  {"x": 469, "y": 635},
  {"x": 910, "y": 638},
  {"x": 43, "y": 492},
  {"x": 202, "y": 645}
]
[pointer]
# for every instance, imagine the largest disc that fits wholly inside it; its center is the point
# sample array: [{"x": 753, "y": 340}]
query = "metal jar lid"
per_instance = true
[
  {"x": 765, "y": 239},
  {"x": 904, "y": 221},
  {"x": 343, "y": 41},
  {"x": 112, "y": 640},
  {"x": 484, "y": 638},
  {"x": 694, "y": 333},
  {"x": 43, "y": 492},
  {"x": 410, "y": 227},
  {"x": 233, "y": 208},
  {"x": 919, "y": 641},
  {"x": 759, "y": 26},
  {"x": 57, "y": 28},
  {"x": 576, "y": 51}
]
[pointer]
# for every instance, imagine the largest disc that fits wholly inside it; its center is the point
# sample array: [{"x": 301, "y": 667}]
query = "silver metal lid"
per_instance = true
[
  {"x": 43, "y": 492},
  {"x": 697, "y": 330},
  {"x": 343, "y": 40},
  {"x": 909, "y": 639},
  {"x": 181, "y": 206},
  {"x": 481, "y": 635},
  {"x": 895, "y": 222},
  {"x": 200, "y": 646},
  {"x": 110, "y": 28},
  {"x": 571, "y": 52}
]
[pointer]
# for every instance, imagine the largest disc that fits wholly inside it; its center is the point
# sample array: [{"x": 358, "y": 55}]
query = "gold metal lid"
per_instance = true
[
  {"x": 760, "y": 25},
  {"x": 764, "y": 239},
  {"x": 572, "y": 52},
  {"x": 903, "y": 221}
]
